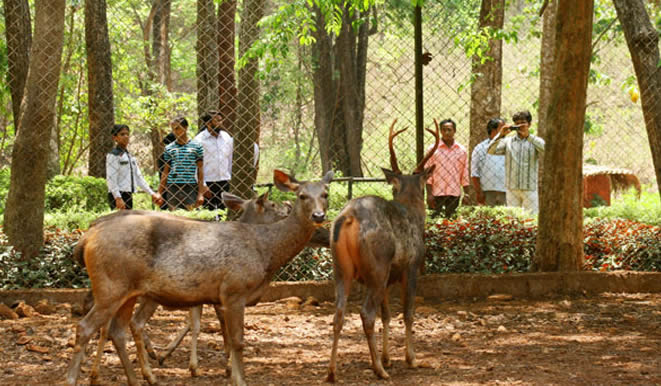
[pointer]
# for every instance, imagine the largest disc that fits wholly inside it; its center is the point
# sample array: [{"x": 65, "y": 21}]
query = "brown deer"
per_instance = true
[
  {"x": 254, "y": 211},
  {"x": 184, "y": 263},
  {"x": 379, "y": 243}
]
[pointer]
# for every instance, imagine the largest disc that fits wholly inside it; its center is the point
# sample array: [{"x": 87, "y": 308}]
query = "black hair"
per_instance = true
[
  {"x": 206, "y": 117},
  {"x": 449, "y": 120},
  {"x": 525, "y": 114},
  {"x": 182, "y": 121},
  {"x": 117, "y": 128},
  {"x": 493, "y": 124},
  {"x": 168, "y": 139}
]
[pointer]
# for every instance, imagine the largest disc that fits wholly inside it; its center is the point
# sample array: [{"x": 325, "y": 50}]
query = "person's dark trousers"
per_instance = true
[
  {"x": 446, "y": 205},
  {"x": 216, "y": 188},
  {"x": 126, "y": 196}
]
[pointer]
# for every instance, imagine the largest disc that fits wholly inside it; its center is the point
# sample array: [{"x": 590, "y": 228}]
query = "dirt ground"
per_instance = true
[{"x": 606, "y": 339}]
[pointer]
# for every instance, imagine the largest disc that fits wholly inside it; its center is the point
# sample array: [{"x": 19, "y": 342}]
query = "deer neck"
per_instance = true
[
  {"x": 416, "y": 209},
  {"x": 286, "y": 239}
]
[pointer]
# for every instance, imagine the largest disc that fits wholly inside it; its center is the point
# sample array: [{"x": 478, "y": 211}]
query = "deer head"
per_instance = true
[{"x": 311, "y": 197}]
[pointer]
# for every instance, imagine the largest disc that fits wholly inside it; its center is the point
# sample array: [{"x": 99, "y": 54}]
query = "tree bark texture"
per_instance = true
[
  {"x": 547, "y": 55},
  {"x": 99, "y": 79},
  {"x": 24, "y": 214},
  {"x": 159, "y": 66},
  {"x": 487, "y": 86},
  {"x": 226, "y": 62},
  {"x": 340, "y": 99},
  {"x": 207, "y": 58},
  {"x": 19, "y": 39},
  {"x": 643, "y": 41},
  {"x": 560, "y": 231},
  {"x": 248, "y": 109}
]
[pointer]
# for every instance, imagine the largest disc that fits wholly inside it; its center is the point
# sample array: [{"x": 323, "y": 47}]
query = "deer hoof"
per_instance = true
[
  {"x": 413, "y": 364},
  {"x": 330, "y": 378},
  {"x": 195, "y": 372},
  {"x": 382, "y": 374},
  {"x": 387, "y": 363}
]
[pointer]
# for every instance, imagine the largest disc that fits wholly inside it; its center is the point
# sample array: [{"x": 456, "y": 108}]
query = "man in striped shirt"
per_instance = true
[
  {"x": 522, "y": 151},
  {"x": 183, "y": 176}
]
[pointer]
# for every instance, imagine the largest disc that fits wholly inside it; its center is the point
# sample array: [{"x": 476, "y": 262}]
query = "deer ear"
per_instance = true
[
  {"x": 284, "y": 181},
  {"x": 390, "y": 175},
  {"x": 328, "y": 177},
  {"x": 231, "y": 201},
  {"x": 261, "y": 201}
]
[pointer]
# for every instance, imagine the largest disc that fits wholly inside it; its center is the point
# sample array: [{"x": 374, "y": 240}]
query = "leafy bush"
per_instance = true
[
  {"x": 480, "y": 243},
  {"x": 5, "y": 174},
  {"x": 76, "y": 193},
  {"x": 645, "y": 209},
  {"x": 622, "y": 244},
  {"x": 53, "y": 268}
]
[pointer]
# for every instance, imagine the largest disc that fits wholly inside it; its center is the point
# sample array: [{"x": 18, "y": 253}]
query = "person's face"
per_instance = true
[
  {"x": 178, "y": 130},
  {"x": 447, "y": 132},
  {"x": 524, "y": 127},
  {"x": 122, "y": 138},
  {"x": 216, "y": 121}
]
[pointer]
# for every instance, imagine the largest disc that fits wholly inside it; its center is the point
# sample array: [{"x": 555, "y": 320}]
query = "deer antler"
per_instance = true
[
  {"x": 393, "y": 157},
  {"x": 421, "y": 165}
]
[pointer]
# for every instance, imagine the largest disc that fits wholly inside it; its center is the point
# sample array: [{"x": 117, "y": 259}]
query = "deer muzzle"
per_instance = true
[{"x": 319, "y": 217}]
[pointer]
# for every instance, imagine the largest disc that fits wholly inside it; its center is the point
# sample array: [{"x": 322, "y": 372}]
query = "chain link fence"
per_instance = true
[{"x": 183, "y": 100}]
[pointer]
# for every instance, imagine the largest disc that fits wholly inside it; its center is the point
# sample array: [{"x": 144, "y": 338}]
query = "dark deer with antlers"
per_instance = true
[
  {"x": 183, "y": 263},
  {"x": 379, "y": 243}
]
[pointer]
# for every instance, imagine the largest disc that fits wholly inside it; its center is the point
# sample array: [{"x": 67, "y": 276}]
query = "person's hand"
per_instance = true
[
  {"x": 119, "y": 203},
  {"x": 479, "y": 196},
  {"x": 466, "y": 200},
  {"x": 207, "y": 192},
  {"x": 157, "y": 199},
  {"x": 431, "y": 204},
  {"x": 200, "y": 199}
]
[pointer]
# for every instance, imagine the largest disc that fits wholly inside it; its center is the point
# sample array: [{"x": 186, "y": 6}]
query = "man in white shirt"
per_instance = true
[
  {"x": 487, "y": 170},
  {"x": 123, "y": 173},
  {"x": 218, "y": 148}
]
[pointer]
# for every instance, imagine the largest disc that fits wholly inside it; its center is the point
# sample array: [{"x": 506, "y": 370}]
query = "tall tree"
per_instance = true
[
  {"x": 643, "y": 41},
  {"x": 99, "y": 84},
  {"x": 339, "y": 88},
  {"x": 24, "y": 214},
  {"x": 226, "y": 73},
  {"x": 19, "y": 39},
  {"x": 248, "y": 109},
  {"x": 547, "y": 55},
  {"x": 560, "y": 232},
  {"x": 487, "y": 70},
  {"x": 159, "y": 65},
  {"x": 207, "y": 58}
]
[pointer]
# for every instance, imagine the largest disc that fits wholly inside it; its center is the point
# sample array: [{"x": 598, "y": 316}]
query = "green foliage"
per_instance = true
[
  {"x": 5, "y": 175},
  {"x": 646, "y": 209},
  {"x": 76, "y": 193},
  {"x": 310, "y": 264},
  {"x": 53, "y": 268}
]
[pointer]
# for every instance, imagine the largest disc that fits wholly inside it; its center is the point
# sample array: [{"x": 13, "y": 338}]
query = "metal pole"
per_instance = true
[{"x": 419, "y": 116}]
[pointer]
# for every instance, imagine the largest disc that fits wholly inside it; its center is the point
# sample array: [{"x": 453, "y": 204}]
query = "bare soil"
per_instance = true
[{"x": 605, "y": 339}]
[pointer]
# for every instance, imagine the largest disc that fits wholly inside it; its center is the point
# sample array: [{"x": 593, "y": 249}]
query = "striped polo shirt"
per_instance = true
[
  {"x": 182, "y": 160},
  {"x": 521, "y": 159}
]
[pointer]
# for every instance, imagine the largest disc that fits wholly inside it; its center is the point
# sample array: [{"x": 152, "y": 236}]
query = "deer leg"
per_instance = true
[
  {"x": 385, "y": 320},
  {"x": 144, "y": 312},
  {"x": 375, "y": 294},
  {"x": 117, "y": 333},
  {"x": 103, "y": 337},
  {"x": 175, "y": 343},
  {"x": 223, "y": 328},
  {"x": 409, "y": 288},
  {"x": 195, "y": 316},
  {"x": 342, "y": 289},
  {"x": 95, "y": 318},
  {"x": 234, "y": 315}
]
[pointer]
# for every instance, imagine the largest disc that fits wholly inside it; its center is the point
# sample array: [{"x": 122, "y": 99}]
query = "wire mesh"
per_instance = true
[{"x": 155, "y": 65}]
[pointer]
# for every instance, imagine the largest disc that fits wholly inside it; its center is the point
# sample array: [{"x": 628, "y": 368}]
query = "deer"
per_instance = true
[
  {"x": 184, "y": 263},
  {"x": 380, "y": 242},
  {"x": 254, "y": 211}
]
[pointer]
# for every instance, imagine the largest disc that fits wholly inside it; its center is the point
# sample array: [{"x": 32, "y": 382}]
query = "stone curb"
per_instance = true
[{"x": 434, "y": 286}]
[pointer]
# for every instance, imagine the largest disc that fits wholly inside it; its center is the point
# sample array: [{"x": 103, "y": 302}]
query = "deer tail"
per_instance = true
[{"x": 79, "y": 251}]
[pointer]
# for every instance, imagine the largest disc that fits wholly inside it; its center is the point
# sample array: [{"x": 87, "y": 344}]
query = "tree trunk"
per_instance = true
[
  {"x": 226, "y": 53},
  {"x": 643, "y": 41},
  {"x": 248, "y": 112},
  {"x": 99, "y": 79},
  {"x": 19, "y": 40},
  {"x": 324, "y": 89},
  {"x": 207, "y": 58},
  {"x": 560, "y": 231},
  {"x": 486, "y": 88},
  {"x": 160, "y": 66},
  {"x": 24, "y": 214}
]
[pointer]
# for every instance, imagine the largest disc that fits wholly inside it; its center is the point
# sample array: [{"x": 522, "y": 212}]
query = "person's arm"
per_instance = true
[
  {"x": 201, "y": 187},
  {"x": 112, "y": 179},
  {"x": 465, "y": 180},
  {"x": 430, "y": 196},
  {"x": 140, "y": 181},
  {"x": 537, "y": 142},
  {"x": 497, "y": 146},
  {"x": 477, "y": 161}
]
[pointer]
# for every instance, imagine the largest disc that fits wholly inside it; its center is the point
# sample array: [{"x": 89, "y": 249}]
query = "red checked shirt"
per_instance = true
[{"x": 451, "y": 171}]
